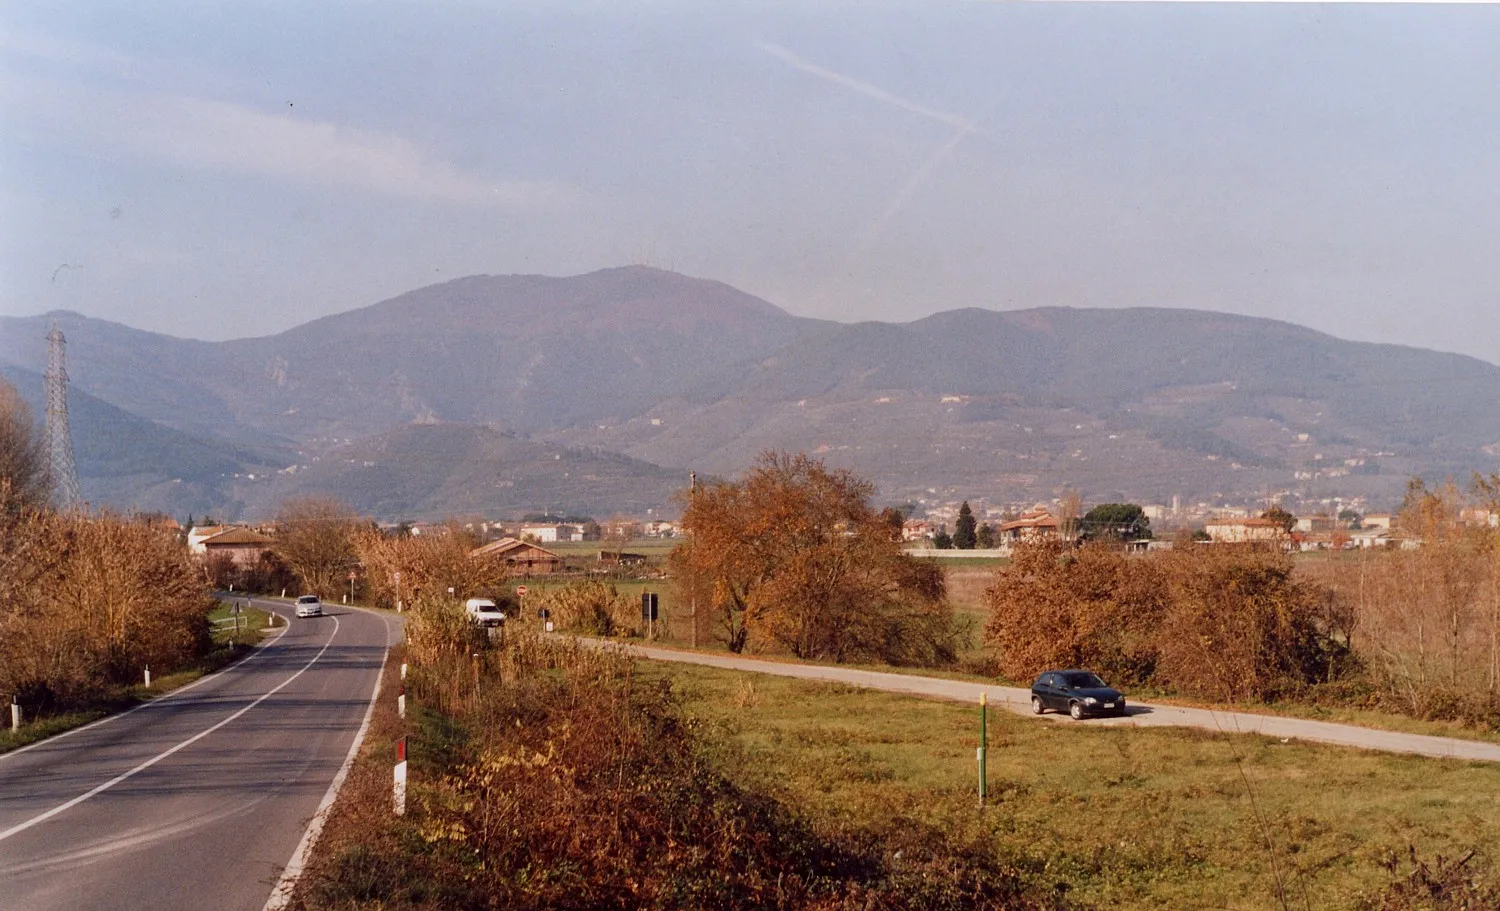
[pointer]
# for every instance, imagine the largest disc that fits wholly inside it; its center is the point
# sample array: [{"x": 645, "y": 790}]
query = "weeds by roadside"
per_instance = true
[{"x": 547, "y": 775}]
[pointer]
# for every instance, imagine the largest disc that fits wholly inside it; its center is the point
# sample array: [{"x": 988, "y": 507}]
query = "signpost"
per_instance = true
[
  {"x": 984, "y": 742},
  {"x": 649, "y": 612}
]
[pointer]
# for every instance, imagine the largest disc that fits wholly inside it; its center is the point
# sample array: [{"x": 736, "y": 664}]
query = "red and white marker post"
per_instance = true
[{"x": 400, "y": 784}]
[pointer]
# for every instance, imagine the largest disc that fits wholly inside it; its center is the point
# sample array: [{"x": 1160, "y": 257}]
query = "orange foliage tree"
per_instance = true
[
  {"x": 1057, "y": 606},
  {"x": 795, "y": 557},
  {"x": 1218, "y": 622}
]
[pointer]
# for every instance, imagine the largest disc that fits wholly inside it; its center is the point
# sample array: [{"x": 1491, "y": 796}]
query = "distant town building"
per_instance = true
[
  {"x": 200, "y": 533},
  {"x": 916, "y": 530},
  {"x": 1034, "y": 524},
  {"x": 241, "y": 546},
  {"x": 523, "y": 557},
  {"x": 1315, "y": 525},
  {"x": 1245, "y": 531}
]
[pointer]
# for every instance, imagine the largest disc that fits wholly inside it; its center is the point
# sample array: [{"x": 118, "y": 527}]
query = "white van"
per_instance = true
[{"x": 484, "y": 612}]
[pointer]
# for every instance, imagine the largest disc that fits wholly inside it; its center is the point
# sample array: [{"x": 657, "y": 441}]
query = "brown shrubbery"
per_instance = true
[
  {"x": 545, "y": 776},
  {"x": 406, "y": 567},
  {"x": 86, "y": 602},
  {"x": 1213, "y": 622},
  {"x": 1425, "y": 620},
  {"x": 793, "y": 557},
  {"x": 594, "y": 608},
  {"x": 99, "y": 599}
]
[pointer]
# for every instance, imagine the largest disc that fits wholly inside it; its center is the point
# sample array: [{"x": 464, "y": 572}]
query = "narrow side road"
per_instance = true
[
  {"x": 199, "y": 798},
  {"x": 1141, "y": 714}
]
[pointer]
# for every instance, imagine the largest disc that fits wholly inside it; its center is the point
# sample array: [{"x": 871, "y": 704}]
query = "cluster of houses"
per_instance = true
[
  {"x": 1032, "y": 523},
  {"x": 244, "y": 547},
  {"x": 1308, "y": 533},
  {"x": 615, "y": 529}
]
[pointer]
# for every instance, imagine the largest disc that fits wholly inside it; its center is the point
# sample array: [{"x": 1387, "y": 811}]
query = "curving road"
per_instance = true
[
  {"x": 1141, "y": 714},
  {"x": 198, "y": 799}
]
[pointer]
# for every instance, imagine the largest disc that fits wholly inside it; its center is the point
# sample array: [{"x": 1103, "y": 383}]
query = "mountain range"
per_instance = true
[{"x": 599, "y": 392}]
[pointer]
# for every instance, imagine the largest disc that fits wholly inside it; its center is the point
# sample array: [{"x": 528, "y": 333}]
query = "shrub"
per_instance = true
[
  {"x": 1215, "y": 622},
  {"x": 592, "y": 607},
  {"x": 560, "y": 782},
  {"x": 105, "y": 598}
]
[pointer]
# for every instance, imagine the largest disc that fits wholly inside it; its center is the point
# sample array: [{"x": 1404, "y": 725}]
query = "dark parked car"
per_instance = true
[{"x": 1079, "y": 693}]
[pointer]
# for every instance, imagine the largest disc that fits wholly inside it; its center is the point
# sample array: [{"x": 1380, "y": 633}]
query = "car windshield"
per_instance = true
[
  {"x": 1083, "y": 681},
  {"x": 308, "y": 599}
]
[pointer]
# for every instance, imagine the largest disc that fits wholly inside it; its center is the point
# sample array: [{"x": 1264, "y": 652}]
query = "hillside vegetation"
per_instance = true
[{"x": 1129, "y": 405}]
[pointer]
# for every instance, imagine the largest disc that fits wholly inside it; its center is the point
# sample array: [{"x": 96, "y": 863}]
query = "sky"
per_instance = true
[{"x": 227, "y": 170}]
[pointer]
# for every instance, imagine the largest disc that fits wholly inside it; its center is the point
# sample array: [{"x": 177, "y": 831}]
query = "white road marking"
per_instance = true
[
  {"x": 281, "y": 895},
  {"x": 216, "y": 675},
  {"x": 23, "y": 826}
]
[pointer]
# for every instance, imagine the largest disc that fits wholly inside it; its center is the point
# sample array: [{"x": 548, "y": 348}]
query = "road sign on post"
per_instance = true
[
  {"x": 650, "y": 612},
  {"x": 520, "y": 591}
]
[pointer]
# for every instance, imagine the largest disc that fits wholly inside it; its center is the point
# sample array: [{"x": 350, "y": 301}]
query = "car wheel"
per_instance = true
[
  {"x": 1076, "y": 710},
  {"x": 1036, "y": 705}
]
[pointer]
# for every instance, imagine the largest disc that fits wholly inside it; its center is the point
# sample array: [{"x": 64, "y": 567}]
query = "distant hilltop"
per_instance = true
[{"x": 628, "y": 378}]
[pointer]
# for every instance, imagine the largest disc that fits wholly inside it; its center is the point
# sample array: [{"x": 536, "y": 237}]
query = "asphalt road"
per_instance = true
[
  {"x": 200, "y": 798},
  {"x": 1141, "y": 714}
]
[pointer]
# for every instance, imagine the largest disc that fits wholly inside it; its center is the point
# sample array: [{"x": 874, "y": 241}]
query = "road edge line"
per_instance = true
[
  {"x": 281, "y": 893},
  {"x": 124, "y": 776},
  {"x": 158, "y": 700}
]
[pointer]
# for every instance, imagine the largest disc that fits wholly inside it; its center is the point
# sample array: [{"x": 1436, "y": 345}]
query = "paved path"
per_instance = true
[
  {"x": 197, "y": 799},
  {"x": 1141, "y": 714}
]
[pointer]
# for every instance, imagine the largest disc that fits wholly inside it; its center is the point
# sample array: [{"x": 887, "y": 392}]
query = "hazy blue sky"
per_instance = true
[{"x": 225, "y": 170}]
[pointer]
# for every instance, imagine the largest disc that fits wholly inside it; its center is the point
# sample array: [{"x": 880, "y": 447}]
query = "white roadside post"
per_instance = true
[
  {"x": 401, "y": 702},
  {"x": 148, "y": 676},
  {"x": 400, "y": 783},
  {"x": 15, "y": 714},
  {"x": 403, "y": 670}
]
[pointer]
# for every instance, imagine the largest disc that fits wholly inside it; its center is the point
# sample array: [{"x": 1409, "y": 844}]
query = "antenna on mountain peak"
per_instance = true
[{"x": 59, "y": 438}]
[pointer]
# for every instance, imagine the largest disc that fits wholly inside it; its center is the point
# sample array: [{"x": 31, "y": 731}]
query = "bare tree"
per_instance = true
[
  {"x": 404, "y": 567},
  {"x": 315, "y": 537},
  {"x": 24, "y": 480}
]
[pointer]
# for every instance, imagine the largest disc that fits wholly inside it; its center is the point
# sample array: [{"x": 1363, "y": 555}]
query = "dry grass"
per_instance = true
[
  {"x": 562, "y": 781},
  {"x": 1129, "y": 819}
]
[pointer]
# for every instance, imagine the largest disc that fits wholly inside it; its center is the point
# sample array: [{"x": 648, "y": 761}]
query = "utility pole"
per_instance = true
[
  {"x": 693, "y": 582},
  {"x": 59, "y": 440}
]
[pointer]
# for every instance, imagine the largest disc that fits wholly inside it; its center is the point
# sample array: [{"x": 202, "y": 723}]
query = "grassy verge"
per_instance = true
[
  {"x": 230, "y": 645},
  {"x": 562, "y": 779},
  {"x": 1366, "y": 718},
  {"x": 1131, "y": 819}
]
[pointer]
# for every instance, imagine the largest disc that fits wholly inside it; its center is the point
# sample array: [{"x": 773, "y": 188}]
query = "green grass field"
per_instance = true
[{"x": 1127, "y": 818}]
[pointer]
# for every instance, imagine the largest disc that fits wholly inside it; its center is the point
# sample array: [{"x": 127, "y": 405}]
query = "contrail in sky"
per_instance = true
[
  {"x": 898, "y": 201},
  {"x": 864, "y": 88},
  {"x": 962, "y": 128}
]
